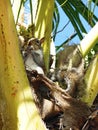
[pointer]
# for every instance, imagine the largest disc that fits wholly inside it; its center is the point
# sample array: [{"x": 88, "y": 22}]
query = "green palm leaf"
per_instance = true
[{"x": 73, "y": 9}]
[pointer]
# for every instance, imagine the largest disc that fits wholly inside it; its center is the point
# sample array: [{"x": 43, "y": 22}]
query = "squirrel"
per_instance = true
[
  {"x": 70, "y": 71},
  {"x": 33, "y": 55}
]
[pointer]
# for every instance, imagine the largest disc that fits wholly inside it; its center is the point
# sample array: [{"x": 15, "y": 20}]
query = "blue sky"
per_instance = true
[{"x": 69, "y": 30}]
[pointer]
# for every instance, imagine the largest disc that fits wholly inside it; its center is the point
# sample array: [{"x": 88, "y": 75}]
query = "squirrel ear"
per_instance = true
[{"x": 42, "y": 40}]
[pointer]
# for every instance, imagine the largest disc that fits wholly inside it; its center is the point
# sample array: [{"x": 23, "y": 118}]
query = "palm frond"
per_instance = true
[
  {"x": 56, "y": 20},
  {"x": 73, "y": 9},
  {"x": 21, "y": 3}
]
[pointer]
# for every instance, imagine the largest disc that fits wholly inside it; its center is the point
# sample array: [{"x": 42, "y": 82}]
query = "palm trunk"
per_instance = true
[{"x": 17, "y": 107}]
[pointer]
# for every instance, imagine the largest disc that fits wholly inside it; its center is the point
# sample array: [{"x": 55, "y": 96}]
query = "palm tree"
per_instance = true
[{"x": 15, "y": 95}]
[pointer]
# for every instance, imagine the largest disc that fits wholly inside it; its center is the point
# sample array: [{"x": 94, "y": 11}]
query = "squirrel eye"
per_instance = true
[{"x": 37, "y": 41}]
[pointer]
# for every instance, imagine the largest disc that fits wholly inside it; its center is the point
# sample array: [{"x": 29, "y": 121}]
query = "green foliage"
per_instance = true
[
  {"x": 74, "y": 10},
  {"x": 27, "y": 33},
  {"x": 22, "y": 2},
  {"x": 56, "y": 20}
]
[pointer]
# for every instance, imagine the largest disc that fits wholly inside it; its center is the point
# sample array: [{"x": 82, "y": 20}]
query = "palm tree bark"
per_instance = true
[{"x": 17, "y": 108}]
